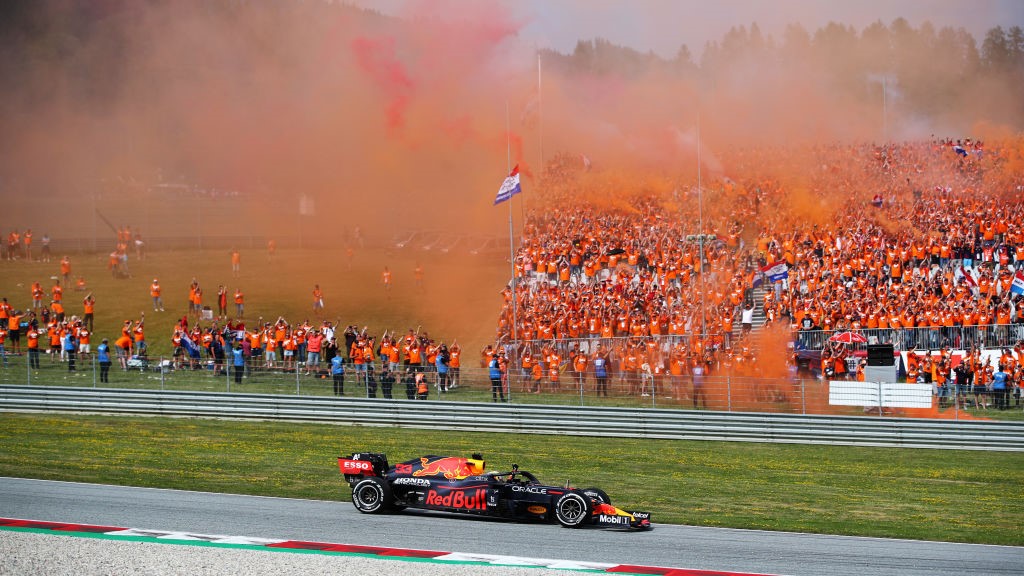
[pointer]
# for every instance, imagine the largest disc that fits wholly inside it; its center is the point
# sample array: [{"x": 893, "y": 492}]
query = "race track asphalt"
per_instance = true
[{"x": 675, "y": 546}]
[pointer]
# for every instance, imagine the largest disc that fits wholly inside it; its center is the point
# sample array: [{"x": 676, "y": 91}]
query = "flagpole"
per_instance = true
[
  {"x": 700, "y": 233},
  {"x": 511, "y": 252},
  {"x": 540, "y": 112},
  {"x": 540, "y": 129}
]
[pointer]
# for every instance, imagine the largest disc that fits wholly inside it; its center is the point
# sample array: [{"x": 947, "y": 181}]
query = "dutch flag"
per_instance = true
[
  {"x": 509, "y": 187},
  {"x": 1018, "y": 283}
]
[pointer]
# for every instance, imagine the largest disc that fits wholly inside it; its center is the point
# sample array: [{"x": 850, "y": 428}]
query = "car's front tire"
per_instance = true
[
  {"x": 598, "y": 494},
  {"x": 371, "y": 495},
  {"x": 573, "y": 509}
]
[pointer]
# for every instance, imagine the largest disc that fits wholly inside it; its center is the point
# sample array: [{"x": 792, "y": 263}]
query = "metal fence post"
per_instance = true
[
  {"x": 296, "y": 378},
  {"x": 92, "y": 360},
  {"x": 956, "y": 401},
  {"x": 879, "y": 398},
  {"x": 803, "y": 398},
  {"x": 728, "y": 391},
  {"x": 162, "y": 374}
]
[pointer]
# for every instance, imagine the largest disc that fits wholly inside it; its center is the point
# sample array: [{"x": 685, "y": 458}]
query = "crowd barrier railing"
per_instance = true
[{"x": 793, "y": 394}]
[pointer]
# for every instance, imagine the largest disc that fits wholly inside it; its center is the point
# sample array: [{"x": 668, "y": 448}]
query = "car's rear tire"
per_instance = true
[
  {"x": 573, "y": 509},
  {"x": 372, "y": 495},
  {"x": 598, "y": 494}
]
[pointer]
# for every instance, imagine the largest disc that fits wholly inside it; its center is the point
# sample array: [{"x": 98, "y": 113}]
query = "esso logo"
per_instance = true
[{"x": 357, "y": 465}]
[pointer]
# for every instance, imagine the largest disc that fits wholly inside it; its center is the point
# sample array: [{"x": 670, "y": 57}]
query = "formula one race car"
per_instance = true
[{"x": 456, "y": 484}]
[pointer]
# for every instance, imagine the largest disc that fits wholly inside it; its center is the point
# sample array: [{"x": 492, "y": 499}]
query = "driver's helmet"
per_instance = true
[{"x": 476, "y": 466}]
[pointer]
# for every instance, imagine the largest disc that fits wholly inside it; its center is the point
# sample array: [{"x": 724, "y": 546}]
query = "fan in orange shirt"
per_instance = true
[
  {"x": 89, "y": 305},
  {"x": 318, "y": 299},
  {"x": 65, "y": 269},
  {"x": 455, "y": 363},
  {"x": 579, "y": 367}
]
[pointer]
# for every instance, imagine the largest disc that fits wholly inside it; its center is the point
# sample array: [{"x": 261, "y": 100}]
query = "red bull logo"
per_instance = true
[
  {"x": 459, "y": 499},
  {"x": 452, "y": 468}
]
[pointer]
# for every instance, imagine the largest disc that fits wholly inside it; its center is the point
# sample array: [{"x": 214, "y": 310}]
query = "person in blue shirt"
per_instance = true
[
  {"x": 338, "y": 374},
  {"x": 601, "y": 370},
  {"x": 103, "y": 356},
  {"x": 494, "y": 370},
  {"x": 238, "y": 360},
  {"x": 441, "y": 362},
  {"x": 1001, "y": 388},
  {"x": 70, "y": 348}
]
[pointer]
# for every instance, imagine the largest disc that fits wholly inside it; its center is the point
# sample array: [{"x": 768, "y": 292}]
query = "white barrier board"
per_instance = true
[{"x": 893, "y": 394}]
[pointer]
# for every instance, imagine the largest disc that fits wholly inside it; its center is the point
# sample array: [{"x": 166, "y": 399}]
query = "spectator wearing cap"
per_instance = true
[
  {"x": 494, "y": 371},
  {"x": 338, "y": 374},
  {"x": 442, "y": 359}
]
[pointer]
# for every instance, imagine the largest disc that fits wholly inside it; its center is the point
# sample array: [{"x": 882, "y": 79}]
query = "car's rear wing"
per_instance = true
[{"x": 362, "y": 464}]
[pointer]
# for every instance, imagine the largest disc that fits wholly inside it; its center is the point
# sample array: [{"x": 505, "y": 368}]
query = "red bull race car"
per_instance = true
[{"x": 457, "y": 484}]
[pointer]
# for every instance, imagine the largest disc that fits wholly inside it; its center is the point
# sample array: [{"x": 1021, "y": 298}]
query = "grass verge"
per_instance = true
[{"x": 958, "y": 496}]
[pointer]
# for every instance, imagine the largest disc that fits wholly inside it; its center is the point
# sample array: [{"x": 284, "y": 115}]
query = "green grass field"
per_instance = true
[{"x": 921, "y": 494}]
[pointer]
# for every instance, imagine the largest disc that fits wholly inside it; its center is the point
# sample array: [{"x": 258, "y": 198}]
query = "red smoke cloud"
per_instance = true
[{"x": 377, "y": 60}]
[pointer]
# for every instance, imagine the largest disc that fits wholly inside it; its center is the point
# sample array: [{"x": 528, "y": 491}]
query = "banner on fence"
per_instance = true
[{"x": 885, "y": 394}]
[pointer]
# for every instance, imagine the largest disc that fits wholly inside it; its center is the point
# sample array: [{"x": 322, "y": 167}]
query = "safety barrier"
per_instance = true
[
  {"x": 533, "y": 419},
  {"x": 726, "y": 393}
]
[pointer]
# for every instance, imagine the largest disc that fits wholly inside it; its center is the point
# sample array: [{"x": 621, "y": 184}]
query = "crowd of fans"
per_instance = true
[
  {"x": 221, "y": 341},
  {"x": 915, "y": 244},
  {"x": 317, "y": 349},
  {"x": 19, "y": 246},
  {"x": 320, "y": 349}
]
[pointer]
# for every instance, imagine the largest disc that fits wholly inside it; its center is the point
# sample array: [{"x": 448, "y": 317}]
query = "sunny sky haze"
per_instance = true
[{"x": 663, "y": 25}]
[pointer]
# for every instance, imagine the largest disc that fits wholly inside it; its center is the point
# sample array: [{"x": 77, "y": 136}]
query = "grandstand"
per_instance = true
[{"x": 917, "y": 244}]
